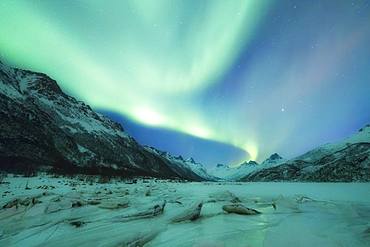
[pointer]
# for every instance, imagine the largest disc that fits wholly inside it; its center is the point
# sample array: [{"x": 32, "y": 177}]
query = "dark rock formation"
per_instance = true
[
  {"x": 249, "y": 163},
  {"x": 239, "y": 209},
  {"x": 275, "y": 156}
]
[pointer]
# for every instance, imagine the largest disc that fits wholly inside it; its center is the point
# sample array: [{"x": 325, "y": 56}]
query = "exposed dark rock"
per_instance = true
[
  {"x": 191, "y": 213},
  {"x": 26, "y": 201},
  {"x": 239, "y": 209},
  {"x": 275, "y": 156},
  {"x": 77, "y": 223},
  {"x": 249, "y": 163},
  {"x": 151, "y": 212}
]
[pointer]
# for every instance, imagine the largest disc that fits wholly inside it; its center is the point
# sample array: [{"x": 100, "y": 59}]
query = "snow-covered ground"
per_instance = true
[{"x": 45, "y": 211}]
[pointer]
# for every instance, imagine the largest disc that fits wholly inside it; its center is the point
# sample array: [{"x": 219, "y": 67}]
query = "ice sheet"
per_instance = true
[{"x": 74, "y": 212}]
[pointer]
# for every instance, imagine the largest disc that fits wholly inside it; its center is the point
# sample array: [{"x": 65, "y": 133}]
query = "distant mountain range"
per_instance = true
[
  {"x": 226, "y": 172},
  {"x": 344, "y": 161},
  {"x": 42, "y": 128}
]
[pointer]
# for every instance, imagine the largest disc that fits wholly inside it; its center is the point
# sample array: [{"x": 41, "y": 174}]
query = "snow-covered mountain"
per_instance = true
[
  {"x": 185, "y": 164},
  {"x": 273, "y": 159},
  {"x": 344, "y": 161},
  {"x": 41, "y": 127},
  {"x": 235, "y": 173},
  {"x": 231, "y": 173}
]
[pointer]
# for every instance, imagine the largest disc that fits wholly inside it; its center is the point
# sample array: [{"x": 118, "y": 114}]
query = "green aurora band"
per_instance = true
[{"x": 149, "y": 66}]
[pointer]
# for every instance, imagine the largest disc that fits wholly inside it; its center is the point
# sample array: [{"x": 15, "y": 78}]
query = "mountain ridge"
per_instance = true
[
  {"x": 344, "y": 161},
  {"x": 227, "y": 172},
  {"x": 42, "y": 128}
]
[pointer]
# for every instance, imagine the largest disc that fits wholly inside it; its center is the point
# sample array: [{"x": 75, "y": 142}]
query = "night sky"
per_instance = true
[{"x": 222, "y": 81}]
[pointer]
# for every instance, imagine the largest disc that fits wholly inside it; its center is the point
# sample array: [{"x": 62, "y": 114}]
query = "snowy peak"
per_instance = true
[
  {"x": 275, "y": 156},
  {"x": 365, "y": 129},
  {"x": 274, "y": 159},
  {"x": 248, "y": 163},
  {"x": 233, "y": 173},
  {"x": 28, "y": 82},
  {"x": 178, "y": 162},
  {"x": 245, "y": 168},
  {"x": 361, "y": 136}
]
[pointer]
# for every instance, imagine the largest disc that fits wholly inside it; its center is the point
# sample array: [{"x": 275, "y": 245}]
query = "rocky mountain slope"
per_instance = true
[
  {"x": 41, "y": 127},
  {"x": 185, "y": 164},
  {"x": 345, "y": 161},
  {"x": 274, "y": 159}
]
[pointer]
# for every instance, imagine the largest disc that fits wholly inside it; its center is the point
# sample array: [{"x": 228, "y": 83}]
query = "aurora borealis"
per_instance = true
[{"x": 262, "y": 76}]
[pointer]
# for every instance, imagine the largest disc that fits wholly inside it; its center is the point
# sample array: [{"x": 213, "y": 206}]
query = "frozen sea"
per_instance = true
[{"x": 47, "y": 211}]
